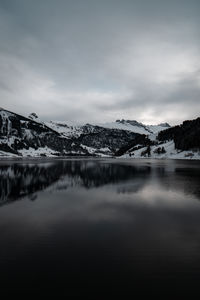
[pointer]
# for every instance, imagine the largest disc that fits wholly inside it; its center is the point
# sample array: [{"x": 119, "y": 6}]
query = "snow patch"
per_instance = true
[{"x": 38, "y": 152}]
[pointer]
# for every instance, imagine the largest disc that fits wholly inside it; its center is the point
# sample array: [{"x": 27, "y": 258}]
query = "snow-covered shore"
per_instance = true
[{"x": 171, "y": 153}]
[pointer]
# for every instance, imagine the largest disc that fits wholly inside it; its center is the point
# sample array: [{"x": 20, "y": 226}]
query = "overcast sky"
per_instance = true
[{"x": 101, "y": 60}]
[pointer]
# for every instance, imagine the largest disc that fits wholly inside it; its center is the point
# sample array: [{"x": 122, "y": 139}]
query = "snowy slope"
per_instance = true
[
  {"x": 66, "y": 128},
  {"x": 124, "y": 126},
  {"x": 69, "y": 129},
  {"x": 134, "y": 126},
  {"x": 171, "y": 152}
]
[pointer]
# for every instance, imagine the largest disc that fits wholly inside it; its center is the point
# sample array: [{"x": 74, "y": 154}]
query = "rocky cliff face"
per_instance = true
[{"x": 18, "y": 134}]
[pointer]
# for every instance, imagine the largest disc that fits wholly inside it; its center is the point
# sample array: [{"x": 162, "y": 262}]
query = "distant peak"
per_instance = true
[
  {"x": 164, "y": 125},
  {"x": 131, "y": 122}
]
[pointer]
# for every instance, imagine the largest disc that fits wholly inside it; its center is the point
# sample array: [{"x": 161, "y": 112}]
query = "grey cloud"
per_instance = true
[{"x": 97, "y": 60}]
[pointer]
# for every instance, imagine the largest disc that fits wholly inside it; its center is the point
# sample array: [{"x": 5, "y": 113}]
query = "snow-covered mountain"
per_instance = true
[
  {"x": 30, "y": 136},
  {"x": 69, "y": 129},
  {"x": 135, "y": 126},
  {"x": 26, "y": 137}
]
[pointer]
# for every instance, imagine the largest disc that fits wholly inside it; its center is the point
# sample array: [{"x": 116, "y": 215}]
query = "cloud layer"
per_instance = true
[{"x": 101, "y": 60}]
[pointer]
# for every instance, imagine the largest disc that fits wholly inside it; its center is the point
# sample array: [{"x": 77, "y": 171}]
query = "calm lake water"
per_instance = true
[{"x": 102, "y": 222}]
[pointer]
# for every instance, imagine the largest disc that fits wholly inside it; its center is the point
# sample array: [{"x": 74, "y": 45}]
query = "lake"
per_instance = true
[{"x": 100, "y": 222}]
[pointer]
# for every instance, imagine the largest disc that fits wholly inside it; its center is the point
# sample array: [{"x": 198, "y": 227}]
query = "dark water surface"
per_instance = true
[{"x": 100, "y": 222}]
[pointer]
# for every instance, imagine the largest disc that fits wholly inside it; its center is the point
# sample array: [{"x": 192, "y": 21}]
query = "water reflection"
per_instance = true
[
  {"x": 18, "y": 180},
  {"x": 96, "y": 221}
]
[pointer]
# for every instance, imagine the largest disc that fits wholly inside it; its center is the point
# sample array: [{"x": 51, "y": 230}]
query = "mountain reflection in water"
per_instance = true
[
  {"x": 19, "y": 180},
  {"x": 25, "y": 179},
  {"x": 100, "y": 222}
]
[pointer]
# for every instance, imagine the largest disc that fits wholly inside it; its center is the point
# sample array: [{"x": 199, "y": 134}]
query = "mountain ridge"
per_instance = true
[{"x": 29, "y": 136}]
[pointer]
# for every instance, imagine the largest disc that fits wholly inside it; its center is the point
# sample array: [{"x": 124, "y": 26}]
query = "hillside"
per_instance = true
[
  {"x": 30, "y": 136},
  {"x": 22, "y": 136}
]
